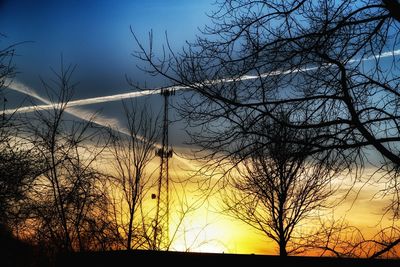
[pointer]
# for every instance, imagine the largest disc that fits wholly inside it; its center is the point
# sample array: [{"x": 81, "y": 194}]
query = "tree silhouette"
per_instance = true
[
  {"x": 134, "y": 187},
  {"x": 18, "y": 166},
  {"x": 332, "y": 64},
  {"x": 279, "y": 186},
  {"x": 67, "y": 206},
  {"x": 132, "y": 152},
  {"x": 7, "y": 184},
  {"x": 7, "y": 69},
  {"x": 18, "y": 169}
]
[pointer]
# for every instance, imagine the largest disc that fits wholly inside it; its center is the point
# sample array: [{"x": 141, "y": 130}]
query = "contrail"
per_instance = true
[
  {"x": 22, "y": 88},
  {"x": 19, "y": 87},
  {"x": 79, "y": 113},
  {"x": 88, "y": 116},
  {"x": 117, "y": 97}
]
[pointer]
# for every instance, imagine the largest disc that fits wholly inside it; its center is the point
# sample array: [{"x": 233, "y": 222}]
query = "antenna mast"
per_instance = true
[{"x": 161, "y": 227}]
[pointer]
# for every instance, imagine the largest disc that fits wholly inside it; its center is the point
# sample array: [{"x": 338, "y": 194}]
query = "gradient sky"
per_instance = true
[{"x": 95, "y": 35}]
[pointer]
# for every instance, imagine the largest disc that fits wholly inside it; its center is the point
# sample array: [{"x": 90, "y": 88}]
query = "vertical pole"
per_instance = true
[
  {"x": 162, "y": 210},
  {"x": 166, "y": 167}
]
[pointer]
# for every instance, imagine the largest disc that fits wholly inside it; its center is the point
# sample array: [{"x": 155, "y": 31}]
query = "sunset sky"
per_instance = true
[{"x": 95, "y": 35}]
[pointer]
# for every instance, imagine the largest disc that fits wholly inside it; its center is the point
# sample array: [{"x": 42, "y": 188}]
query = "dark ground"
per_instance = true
[
  {"x": 158, "y": 258},
  {"x": 18, "y": 254}
]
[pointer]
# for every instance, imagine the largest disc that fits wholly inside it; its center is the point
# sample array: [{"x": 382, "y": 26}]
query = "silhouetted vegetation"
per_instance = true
[
  {"x": 284, "y": 97},
  {"x": 7, "y": 69},
  {"x": 17, "y": 170},
  {"x": 279, "y": 185},
  {"x": 66, "y": 208},
  {"x": 201, "y": 259},
  {"x": 132, "y": 151},
  {"x": 319, "y": 61}
]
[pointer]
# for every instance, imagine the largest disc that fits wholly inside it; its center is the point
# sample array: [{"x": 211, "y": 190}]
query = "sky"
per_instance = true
[{"x": 95, "y": 35}]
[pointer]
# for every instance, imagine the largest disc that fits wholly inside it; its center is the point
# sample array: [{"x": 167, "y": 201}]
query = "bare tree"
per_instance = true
[
  {"x": 279, "y": 185},
  {"x": 18, "y": 164},
  {"x": 18, "y": 169},
  {"x": 132, "y": 152},
  {"x": 333, "y": 64},
  {"x": 8, "y": 186},
  {"x": 67, "y": 204},
  {"x": 135, "y": 188},
  {"x": 7, "y": 69},
  {"x": 261, "y": 55},
  {"x": 338, "y": 238}
]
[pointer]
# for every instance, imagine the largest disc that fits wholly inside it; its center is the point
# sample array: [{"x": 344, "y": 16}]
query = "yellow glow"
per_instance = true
[
  {"x": 206, "y": 229},
  {"x": 209, "y": 231}
]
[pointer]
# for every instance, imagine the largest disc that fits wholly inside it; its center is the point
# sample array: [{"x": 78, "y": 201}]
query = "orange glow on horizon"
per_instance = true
[{"x": 207, "y": 229}]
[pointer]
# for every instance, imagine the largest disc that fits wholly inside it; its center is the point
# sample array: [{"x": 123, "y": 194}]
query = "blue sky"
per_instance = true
[{"x": 94, "y": 35}]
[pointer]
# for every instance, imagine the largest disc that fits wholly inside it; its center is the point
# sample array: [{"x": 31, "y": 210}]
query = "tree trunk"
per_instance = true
[
  {"x": 282, "y": 248},
  {"x": 130, "y": 230}
]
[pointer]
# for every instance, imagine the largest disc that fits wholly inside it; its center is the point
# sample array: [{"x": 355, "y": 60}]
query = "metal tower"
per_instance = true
[{"x": 161, "y": 222}]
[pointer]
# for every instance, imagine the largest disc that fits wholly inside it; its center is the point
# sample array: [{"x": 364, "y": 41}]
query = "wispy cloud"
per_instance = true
[
  {"x": 22, "y": 88},
  {"x": 74, "y": 108},
  {"x": 71, "y": 109},
  {"x": 17, "y": 86}
]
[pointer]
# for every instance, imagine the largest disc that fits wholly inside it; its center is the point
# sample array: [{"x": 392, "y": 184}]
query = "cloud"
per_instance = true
[
  {"x": 74, "y": 109},
  {"x": 17, "y": 86},
  {"x": 77, "y": 112},
  {"x": 73, "y": 106},
  {"x": 22, "y": 88}
]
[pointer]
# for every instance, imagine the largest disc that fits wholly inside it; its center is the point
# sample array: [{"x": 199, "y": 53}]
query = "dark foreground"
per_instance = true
[{"x": 158, "y": 258}]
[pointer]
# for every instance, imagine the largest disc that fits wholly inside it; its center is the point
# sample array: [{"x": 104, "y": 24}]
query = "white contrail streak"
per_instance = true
[
  {"x": 73, "y": 106},
  {"x": 383, "y": 55},
  {"x": 17, "y": 86},
  {"x": 117, "y": 97},
  {"x": 22, "y": 88},
  {"x": 79, "y": 113}
]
